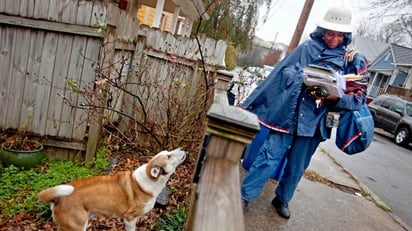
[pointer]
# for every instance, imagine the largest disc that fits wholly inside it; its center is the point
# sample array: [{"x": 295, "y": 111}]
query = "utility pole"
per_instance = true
[
  {"x": 300, "y": 26},
  {"x": 274, "y": 40}
]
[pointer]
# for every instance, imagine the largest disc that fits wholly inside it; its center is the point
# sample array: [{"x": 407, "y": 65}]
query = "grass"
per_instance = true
[
  {"x": 384, "y": 207},
  {"x": 365, "y": 193},
  {"x": 173, "y": 222},
  {"x": 19, "y": 188},
  {"x": 315, "y": 176}
]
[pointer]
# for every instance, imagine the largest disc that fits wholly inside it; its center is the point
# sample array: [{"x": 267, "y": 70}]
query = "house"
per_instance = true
[
  {"x": 175, "y": 16},
  {"x": 389, "y": 69},
  {"x": 392, "y": 68},
  {"x": 266, "y": 46},
  {"x": 368, "y": 47}
]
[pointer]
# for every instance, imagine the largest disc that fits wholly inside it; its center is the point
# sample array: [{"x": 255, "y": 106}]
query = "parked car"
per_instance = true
[{"x": 394, "y": 115}]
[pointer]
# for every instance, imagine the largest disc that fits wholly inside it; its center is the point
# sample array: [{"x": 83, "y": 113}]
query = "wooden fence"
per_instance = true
[
  {"x": 44, "y": 43},
  {"x": 169, "y": 79}
]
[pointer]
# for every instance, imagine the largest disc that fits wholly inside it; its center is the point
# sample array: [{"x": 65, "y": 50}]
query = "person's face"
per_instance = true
[{"x": 333, "y": 38}]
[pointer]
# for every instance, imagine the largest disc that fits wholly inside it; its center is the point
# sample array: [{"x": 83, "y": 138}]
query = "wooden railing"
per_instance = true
[
  {"x": 400, "y": 91},
  {"x": 216, "y": 199}
]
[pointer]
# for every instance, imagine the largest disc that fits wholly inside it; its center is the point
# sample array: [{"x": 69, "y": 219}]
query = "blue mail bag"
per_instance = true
[{"x": 355, "y": 130}]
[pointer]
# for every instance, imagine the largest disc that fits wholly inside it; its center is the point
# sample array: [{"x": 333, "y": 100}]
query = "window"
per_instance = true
[
  {"x": 409, "y": 109},
  {"x": 387, "y": 103},
  {"x": 378, "y": 100},
  {"x": 398, "y": 106},
  {"x": 400, "y": 79}
]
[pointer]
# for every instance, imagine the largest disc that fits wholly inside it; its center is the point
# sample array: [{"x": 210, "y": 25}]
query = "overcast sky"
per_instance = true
[{"x": 284, "y": 15}]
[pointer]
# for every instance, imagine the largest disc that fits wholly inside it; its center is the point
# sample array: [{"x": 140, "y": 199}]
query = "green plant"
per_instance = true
[
  {"x": 384, "y": 207},
  {"x": 172, "y": 222},
  {"x": 364, "y": 193},
  {"x": 315, "y": 176},
  {"x": 19, "y": 188},
  {"x": 19, "y": 140},
  {"x": 101, "y": 161},
  {"x": 173, "y": 189}
]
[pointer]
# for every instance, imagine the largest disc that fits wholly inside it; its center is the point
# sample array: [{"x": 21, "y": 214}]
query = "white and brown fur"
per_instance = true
[{"x": 128, "y": 194}]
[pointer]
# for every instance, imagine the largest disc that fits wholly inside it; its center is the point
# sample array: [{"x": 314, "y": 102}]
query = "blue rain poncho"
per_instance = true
[{"x": 277, "y": 101}]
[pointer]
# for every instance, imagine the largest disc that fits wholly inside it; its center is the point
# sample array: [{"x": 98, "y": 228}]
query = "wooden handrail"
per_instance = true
[{"x": 216, "y": 204}]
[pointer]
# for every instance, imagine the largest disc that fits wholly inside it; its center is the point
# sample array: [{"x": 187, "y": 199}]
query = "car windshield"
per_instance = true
[{"x": 409, "y": 109}]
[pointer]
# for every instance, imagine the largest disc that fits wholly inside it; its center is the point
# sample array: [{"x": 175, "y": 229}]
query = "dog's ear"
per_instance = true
[
  {"x": 157, "y": 170},
  {"x": 144, "y": 159}
]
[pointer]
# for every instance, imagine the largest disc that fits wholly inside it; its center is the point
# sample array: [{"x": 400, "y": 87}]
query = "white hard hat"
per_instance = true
[{"x": 337, "y": 19}]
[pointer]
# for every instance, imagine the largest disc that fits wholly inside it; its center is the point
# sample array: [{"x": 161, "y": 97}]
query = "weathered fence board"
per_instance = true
[
  {"x": 6, "y": 46},
  {"x": 99, "y": 13},
  {"x": 12, "y": 7},
  {"x": 69, "y": 11},
  {"x": 26, "y": 8},
  {"x": 18, "y": 76},
  {"x": 79, "y": 12},
  {"x": 32, "y": 75},
  {"x": 45, "y": 76},
  {"x": 91, "y": 50},
  {"x": 84, "y": 13},
  {"x": 2, "y": 6},
  {"x": 53, "y": 13},
  {"x": 41, "y": 9},
  {"x": 54, "y": 120},
  {"x": 50, "y": 26},
  {"x": 69, "y": 129}
]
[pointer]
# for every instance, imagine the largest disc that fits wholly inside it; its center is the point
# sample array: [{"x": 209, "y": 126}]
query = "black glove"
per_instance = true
[{"x": 317, "y": 92}]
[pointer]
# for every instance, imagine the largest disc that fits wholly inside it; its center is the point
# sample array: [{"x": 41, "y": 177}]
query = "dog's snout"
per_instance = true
[{"x": 182, "y": 153}]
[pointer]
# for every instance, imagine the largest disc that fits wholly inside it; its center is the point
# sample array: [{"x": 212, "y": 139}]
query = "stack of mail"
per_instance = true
[{"x": 332, "y": 81}]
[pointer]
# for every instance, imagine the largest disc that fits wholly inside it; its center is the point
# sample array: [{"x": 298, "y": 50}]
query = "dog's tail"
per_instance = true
[{"x": 55, "y": 192}]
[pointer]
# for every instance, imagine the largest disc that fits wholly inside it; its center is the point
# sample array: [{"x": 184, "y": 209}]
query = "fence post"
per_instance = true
[{"x": 216, "y": 204}]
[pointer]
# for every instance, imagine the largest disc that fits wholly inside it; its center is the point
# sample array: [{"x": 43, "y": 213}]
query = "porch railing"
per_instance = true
[{"x": 216, "y": 200}]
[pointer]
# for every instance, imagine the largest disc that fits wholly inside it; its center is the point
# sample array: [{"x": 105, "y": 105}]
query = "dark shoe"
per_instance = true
[
  {"x": 244, "y": 203},
  {"x": 281, "y": 208}
]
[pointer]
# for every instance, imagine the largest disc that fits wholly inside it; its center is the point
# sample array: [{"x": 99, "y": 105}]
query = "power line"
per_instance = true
[{"x": 272, "y": 13}]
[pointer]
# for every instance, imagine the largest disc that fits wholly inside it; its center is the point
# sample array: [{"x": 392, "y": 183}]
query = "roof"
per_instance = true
[
  {"x": 401, "y": 55},
  {"x": 372, "y": 49}
]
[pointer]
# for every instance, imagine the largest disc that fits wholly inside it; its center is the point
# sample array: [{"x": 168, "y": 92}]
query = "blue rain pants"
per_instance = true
[{"x": 299, "y": 151}]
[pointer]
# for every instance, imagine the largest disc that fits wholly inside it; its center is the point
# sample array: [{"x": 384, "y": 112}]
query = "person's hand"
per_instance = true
[
  {"x": 317, "y": 92},
  {"x": 348, "y": 57}
]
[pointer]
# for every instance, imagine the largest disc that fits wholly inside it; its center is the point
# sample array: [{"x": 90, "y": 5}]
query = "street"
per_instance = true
[{"x": 385, "y": 168}]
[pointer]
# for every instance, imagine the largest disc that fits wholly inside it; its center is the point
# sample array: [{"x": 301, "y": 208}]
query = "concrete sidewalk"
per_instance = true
[{"x": 334, "y": 205}]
